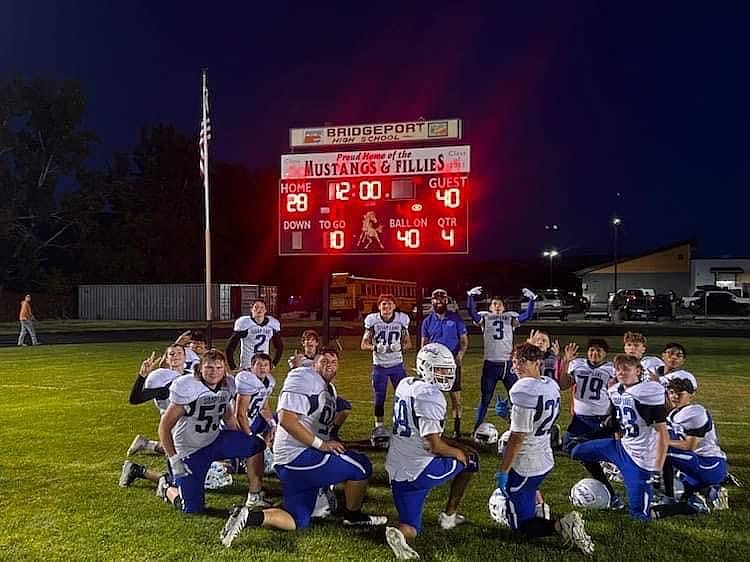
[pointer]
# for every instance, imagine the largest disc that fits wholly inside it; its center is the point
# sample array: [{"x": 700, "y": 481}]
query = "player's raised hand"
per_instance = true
[
  {"x": 148, "y": 364},
  {"x": 571, "y": 350},
  {"x": 333, "y": 446},
  {"x": 532, "y": 335},
  {"x": 184, "y": 338},
  {"x": 555, "y": 347},
  {"x": 475, "y": 292},
  {"x": 295, "y": 360},
  {"x": 529, "y": 294}
]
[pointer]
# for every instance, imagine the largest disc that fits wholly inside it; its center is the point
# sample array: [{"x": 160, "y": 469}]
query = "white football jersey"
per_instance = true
[
  {"x": 159, "y": 378},
  {"x": 204, "y": 411},
  {"x": 497, "y": 332},
  {"x": 541, "y": 395},
  {"x": 387, "y": 334},
  {"x": 306, "y": 393},
  {"x": 418, "y": 411},
  {"x": 258, "y": 338},
  {"x": 590, "y": 396},
  {"x": 694, "y": 420},
  {"x": 638, "y": 409},
  {"x": 259, "y": 390},
  {"x": 191, "y": 360}
]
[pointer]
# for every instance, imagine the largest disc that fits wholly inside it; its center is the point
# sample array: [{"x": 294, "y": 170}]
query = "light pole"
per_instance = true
[
  {"x": 616, "y": 222},
  {"x": 551, "y": 254}
]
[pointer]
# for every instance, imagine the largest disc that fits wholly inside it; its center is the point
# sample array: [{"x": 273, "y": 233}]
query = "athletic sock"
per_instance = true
[
  {"x": 255, "y": 519},
  {"x": 378, "y": 424}
]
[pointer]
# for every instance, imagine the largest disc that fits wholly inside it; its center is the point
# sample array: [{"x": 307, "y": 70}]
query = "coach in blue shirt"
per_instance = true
[{"x": 446, "y": 327}]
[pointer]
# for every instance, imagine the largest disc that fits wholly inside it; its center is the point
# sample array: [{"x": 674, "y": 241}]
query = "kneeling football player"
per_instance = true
[
  {"x": 528, "y": 459},
  {"x": 419, "y": 459},
  {"x": 306, "y": 458},
  {"x": 190, "y": 431}
]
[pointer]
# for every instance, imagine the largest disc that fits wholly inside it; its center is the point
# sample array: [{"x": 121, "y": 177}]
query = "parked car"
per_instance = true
[
  {"x": 717, "y": 302},
  {"x": 692, "y": 301},
  {"x": 640, "y": 304},
  {"x": 548, "y": 303}
]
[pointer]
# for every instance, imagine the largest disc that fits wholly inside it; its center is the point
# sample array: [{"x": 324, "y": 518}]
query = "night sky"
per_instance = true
[{"x": 574, "y": 112}]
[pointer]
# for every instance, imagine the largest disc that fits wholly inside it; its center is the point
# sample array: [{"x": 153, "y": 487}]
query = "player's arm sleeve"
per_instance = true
[
  {"x": 139, "y": 395},
  {"x": 528, "y": 313},
  {"x": 521, "y": 419},
  {"x": 278, "y": 346},
  {"x": 697, "y": 424},
  {"x": 472, "y": 306},
  {"x": 652, "y": 414},
  {"x": 232, "y": 344},
  {"x": 430, "y": 416}
]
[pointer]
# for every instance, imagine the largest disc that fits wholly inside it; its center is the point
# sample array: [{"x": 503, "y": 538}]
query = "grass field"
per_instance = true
[{"x": 65, "y": 425}]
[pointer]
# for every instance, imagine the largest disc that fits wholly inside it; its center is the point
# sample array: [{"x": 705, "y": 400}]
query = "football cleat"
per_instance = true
[
  {"x": 161, "y": 488},
  {"x": 486, "y": 434},
  {"x": 363, "y": 520},
  {"x": 542, "y": 511},
  {"x": 448, "y": 522},
  {"x": 401, "y": 549},
  {"x": 698, "y": 503},
  {"x": 256, "y": 500},
  {"x": 234, "y": 525},
  {"x": 380, "y": 438},
  {"x": 732, "y": 480},
  {"x": 718, "y": 498},
  {"x": 590, "y": 494},
  {"x": 130, "y": 471},
  {"x": 574, "y": 534},
  {"x": 616, "y": 503},
  {"x": 138, "y": 444}
]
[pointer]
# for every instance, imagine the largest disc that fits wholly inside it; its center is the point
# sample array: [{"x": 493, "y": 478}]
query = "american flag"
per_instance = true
[{"x": 205, "y": 134}]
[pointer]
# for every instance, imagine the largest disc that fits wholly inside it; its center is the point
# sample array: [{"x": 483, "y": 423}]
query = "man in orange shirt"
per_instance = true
[{"x": 26, "y": 318}]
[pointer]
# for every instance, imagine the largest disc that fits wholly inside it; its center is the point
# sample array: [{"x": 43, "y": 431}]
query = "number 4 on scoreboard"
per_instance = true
[{"x": 449, "y": 235}]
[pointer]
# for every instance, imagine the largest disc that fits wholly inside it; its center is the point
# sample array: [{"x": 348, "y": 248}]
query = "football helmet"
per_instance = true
[
  {"x": 217, "y": 477},
  {"x": 436, "y": 365},
  {"x": 486, "y": 434},
  {"x": 268, "y": 461},
  {"x": 325, "y": 503},
  {"x": 590, "y": 494},
  {"x": 380, "y": 438},
  {"x": 503, "y": 442},
  {"x": 498, "y": 505}
]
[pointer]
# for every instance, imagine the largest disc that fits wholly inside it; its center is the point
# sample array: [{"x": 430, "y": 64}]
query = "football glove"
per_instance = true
[
  {"x": 501, "y": 480},
  {"x": 529, "y": 294},
  {"x": 395, "y": 347},
  {"x": 502, "y": 408},
  {"x": 179, "y": 468},
  {"x": 475, "y": 292},
  {"x": 381, "y": 348}
]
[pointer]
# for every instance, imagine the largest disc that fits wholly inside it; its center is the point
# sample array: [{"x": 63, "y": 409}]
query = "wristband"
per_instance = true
[{"x": 317, "y": 443}]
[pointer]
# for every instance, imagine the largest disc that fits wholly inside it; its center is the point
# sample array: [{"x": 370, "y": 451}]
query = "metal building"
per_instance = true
[{"x": 183, "y": 302}]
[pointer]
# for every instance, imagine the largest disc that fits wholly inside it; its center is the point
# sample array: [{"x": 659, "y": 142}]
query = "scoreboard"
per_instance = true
[{"x": 399, "y": 201}]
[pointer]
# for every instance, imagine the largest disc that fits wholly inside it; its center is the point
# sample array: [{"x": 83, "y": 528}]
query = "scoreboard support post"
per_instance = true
[{"x": 326, "y": 300}]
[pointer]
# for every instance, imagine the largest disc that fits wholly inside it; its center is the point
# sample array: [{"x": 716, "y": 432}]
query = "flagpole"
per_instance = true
[{"x": 207, "y": 206}]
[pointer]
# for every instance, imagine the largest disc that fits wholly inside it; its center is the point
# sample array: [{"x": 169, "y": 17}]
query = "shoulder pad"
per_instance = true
[
  {"x": 525, "y": 393},
  {"x": 303, "y": 380},
  {"x": 160, "y": 377},
  {"x": 185, "y": 389},
  {"x": 577, "y": 363},
  {"x": 429, "y": 401},
  {"x": 404, "y": 319},
  {"x": 241, "y": 324},
  {"x": 190, "y": 355},
  {"x": 511, "y": 314},
  {"x": 247, "y": 383},
  {"x": 271, "y": 382},
  {"x": 230, "y": 384},
  {"x": 648, "y": 392},
  {"x": 274, "y": 324},
  {"x": 370, "y": 320}
]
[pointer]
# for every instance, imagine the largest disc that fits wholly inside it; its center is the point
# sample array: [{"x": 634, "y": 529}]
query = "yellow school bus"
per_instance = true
[{"x": 353, "y": 297}]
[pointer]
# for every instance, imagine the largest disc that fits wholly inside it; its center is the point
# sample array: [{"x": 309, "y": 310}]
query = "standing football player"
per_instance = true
[
  {"x": 419, "y": 459},
  {"x": 447, "y": 327},
  {"x": 387, "y": 336},
  {"x": 694, "y": 451},
  {"x": 497, "y": 331},
  {"x": 192, "y": 434},
  {"x": 528, "y": 459},
  {"x": 255, "y": 334},
  {"x": 254, "y": 389},
  {"x": 306, "y": 458},
  {"x": 640, "y": 451}
]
